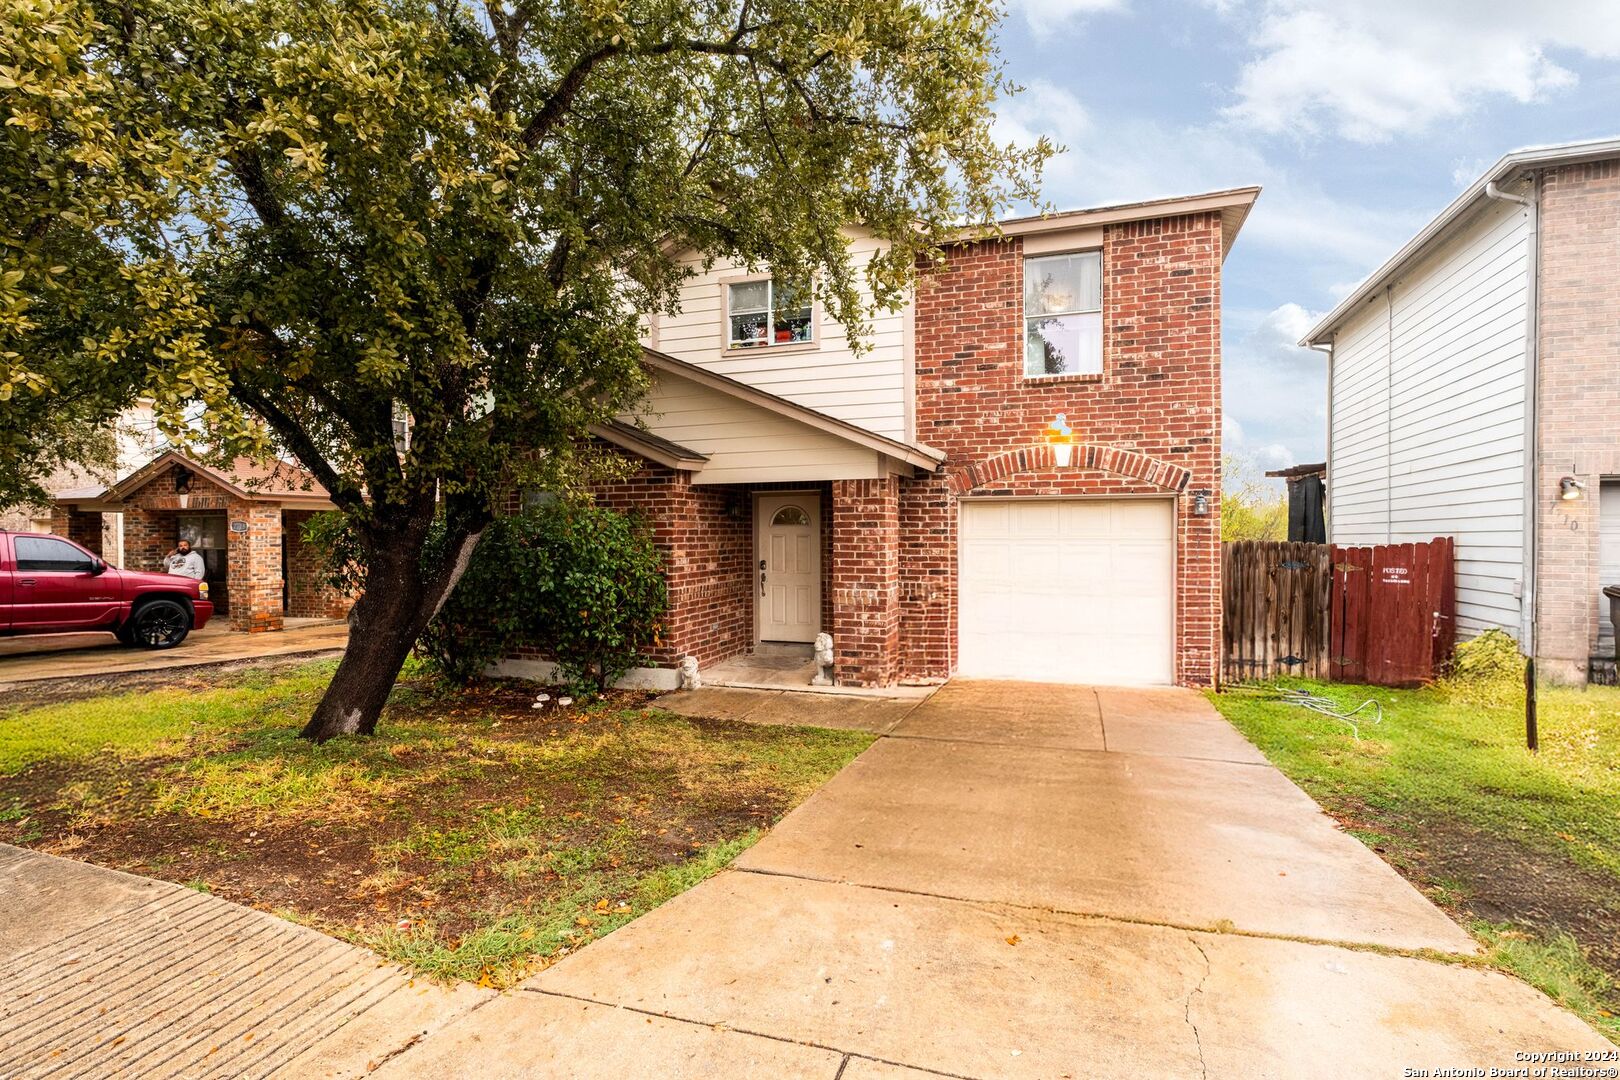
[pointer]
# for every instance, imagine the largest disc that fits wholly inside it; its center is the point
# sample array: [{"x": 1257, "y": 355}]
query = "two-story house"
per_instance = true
[
  {"x": 1018, "y": 478},
  {"x": 1473, "y": 392}
]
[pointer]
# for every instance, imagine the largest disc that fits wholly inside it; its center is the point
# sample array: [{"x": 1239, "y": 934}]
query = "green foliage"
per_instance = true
[
  {"x": 1252, "y": 508},
  {"x": 315, "y": 219},
  {"x": 582, "y": 583},
  {"x": 302, "y": 227},
  {"x": 1488, "y": 668}
]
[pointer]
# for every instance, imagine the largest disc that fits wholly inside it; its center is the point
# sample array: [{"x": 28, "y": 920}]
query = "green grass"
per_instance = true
[
  {"x": 1445, "y": 789},
  {"x": 470, "y": 838},
  {"x": 1449, "y": 752},
  {"x": 150, "y": 723}
]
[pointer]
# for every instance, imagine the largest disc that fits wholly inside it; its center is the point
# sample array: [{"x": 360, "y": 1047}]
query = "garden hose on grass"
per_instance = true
[{"x": 1332, "y": 709}]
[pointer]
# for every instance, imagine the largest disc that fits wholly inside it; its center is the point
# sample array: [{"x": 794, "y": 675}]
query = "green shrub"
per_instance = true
[
  {"x": 1491, "y": 657},
  {"x": 581, "y": 583},
  {"x": 1487, "y": 668}
]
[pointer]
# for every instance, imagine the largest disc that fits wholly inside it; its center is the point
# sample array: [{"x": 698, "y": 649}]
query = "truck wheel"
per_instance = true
[{"x": 160, "y": 624}]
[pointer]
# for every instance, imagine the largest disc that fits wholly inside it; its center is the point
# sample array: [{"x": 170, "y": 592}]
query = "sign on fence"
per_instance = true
[
  {"x": 1394, "y": 612},
  {"x": 1384, "y": 614}
]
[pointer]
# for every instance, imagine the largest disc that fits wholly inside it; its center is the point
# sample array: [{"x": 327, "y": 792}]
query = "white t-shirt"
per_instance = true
[{"x": 188, "y": 565}]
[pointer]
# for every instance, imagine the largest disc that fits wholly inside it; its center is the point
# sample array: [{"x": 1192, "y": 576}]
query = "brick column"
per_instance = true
[
  {"x": 254, "y": 576},
  {"x": 148, "y": 536},
  {"x": 83, "y": 527},
  {"x": 866, "y": 581}
]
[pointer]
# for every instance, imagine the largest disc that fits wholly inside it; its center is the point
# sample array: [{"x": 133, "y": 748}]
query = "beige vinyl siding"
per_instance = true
[
  {"x": 868, "y": 388},
  {"x": 746, "y": 443},
  {"x": 1429, "y": 413}
]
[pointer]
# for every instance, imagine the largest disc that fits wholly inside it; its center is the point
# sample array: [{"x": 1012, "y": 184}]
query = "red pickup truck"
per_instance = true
[{"x": 50, "y": 585}]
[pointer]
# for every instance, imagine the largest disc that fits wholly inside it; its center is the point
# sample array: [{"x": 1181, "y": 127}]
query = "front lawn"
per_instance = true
[
  {"x": 473, "y": 838},
  {"x": 1523, "y": 848}
]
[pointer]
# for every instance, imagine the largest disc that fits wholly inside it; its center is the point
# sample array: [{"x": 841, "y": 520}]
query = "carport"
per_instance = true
[{"x": 247, "y": 521}]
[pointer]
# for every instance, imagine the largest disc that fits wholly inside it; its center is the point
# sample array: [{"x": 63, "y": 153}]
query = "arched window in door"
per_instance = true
[{"x": 790, "y": 515}]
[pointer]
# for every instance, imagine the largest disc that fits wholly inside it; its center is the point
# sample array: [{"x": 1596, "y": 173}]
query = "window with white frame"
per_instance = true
[
  {"x": 767, "y": 312},
  {"x": 1063, "y": 314}
]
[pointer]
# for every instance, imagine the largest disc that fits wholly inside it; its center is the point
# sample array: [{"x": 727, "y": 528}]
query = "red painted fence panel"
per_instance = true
[{"x": 1394, "y": 612}]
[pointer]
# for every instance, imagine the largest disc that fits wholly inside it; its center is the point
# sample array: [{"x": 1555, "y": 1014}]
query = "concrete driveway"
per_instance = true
[{"x": 1026, "y": 881}]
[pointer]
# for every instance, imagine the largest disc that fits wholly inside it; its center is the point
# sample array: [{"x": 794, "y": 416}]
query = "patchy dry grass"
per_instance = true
[
  {"x": 1524, "y": 848},
  {"x": 473, "y": 838}
]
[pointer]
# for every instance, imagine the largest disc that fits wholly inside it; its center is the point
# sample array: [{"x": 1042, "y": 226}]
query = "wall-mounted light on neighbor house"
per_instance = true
[
  {"x": 1062, "y": 439},
  {"x": 1200, "y": 503},
  {"x": 1570, "y": 489}
]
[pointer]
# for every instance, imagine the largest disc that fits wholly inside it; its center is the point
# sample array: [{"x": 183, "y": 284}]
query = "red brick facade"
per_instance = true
[
  {"x": 1148, "y": 425},
  {"x": 251, "y": 594},
  {"x": 866, "y": 545}
]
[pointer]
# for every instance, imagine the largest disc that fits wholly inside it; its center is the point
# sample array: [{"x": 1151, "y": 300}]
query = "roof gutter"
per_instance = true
[
  {"x": 1532, "y": 405},
  {"x": 1511, "y": 164}
]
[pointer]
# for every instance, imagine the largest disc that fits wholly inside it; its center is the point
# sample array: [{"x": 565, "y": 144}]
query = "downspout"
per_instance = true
[
  {"x": 1389, "y": 413},
  {"x": 1532, "y": 426},
  {"x": 1327, "y": 495}
]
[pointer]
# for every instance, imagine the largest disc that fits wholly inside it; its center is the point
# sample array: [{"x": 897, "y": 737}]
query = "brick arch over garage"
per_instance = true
[{"x": 1040, "y": 457}]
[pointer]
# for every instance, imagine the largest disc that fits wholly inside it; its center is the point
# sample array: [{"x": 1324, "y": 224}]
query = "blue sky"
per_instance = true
[{"x": 1360, "y": 118}]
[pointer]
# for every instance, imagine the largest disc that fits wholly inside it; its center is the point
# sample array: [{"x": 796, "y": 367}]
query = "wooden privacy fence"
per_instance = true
[
  {"x": 1384, "y": 615},
  {"x": 1275, "y": 597}
]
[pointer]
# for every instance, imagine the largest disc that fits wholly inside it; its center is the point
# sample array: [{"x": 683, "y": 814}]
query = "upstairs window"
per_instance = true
[
  {"x": 1063, "y": 314},
  {"x": 767, "y": 312}
]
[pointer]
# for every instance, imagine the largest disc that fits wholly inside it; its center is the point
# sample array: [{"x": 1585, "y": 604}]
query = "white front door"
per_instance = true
[
  {"x": 788, "y": 567},
  {"x": 1067, "y": 590}
]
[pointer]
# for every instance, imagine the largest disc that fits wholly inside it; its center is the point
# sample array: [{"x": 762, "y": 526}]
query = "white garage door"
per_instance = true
[{"x": 1067, "y": 590}]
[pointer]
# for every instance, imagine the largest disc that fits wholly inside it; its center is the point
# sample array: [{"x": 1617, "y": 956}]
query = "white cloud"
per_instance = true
[
  {"x": 1274, "y": 391},
  {"x": 1373, "y": 69},
  {"x": 1046, "y": 16},
  {"x": 1465, "y": 171},
  {"x": 1134, "y": 158}
]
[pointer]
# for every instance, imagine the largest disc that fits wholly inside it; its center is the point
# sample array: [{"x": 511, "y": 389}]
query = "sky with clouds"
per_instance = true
[{"x": 1361, "y": 119}]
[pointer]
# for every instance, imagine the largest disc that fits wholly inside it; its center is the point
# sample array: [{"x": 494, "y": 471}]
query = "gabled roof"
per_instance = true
[
  {"x": 924, "y": 457},
  {"x": 1510, "y": 167},
  {"x": 278, "y": 481},
  {"x": 653, "y": 447},
  {"x": 1233, "y": 204}
]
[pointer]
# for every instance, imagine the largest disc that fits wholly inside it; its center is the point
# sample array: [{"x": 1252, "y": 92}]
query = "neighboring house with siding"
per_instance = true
[
  {"x": 1475, "y": 372},
  {"x": 910, "y": 498}
]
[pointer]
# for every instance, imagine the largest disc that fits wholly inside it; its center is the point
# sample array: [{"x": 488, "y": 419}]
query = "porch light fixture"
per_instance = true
[
  {"x": 1200, "y": 503},
  {"x": 1061, "y": 436},
  {"x": 1570, "y": 489}
]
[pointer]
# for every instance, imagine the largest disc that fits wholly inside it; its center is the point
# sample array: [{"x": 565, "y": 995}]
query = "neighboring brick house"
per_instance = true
[
  {"x": 247, "y": 521},
  {"x": 1018, "y": 478},
  {"x": 1474, "y": 388}
]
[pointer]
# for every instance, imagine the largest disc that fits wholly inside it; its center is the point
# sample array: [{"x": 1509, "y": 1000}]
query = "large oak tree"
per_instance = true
[{"x": 311, "y": 219}]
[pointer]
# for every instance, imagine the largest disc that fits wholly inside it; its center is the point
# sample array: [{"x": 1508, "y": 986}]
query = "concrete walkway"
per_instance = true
[
  {"x": 1022, "y": 881},
  {"x": 106, "y": 974},
  {"x": 70, "y": 656}
]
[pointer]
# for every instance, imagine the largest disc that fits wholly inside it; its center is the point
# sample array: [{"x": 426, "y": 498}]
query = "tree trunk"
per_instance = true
[{"x": 396, "y": 606}]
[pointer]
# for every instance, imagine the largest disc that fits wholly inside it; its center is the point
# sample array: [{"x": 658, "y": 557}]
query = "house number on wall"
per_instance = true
[{"x": 239, "y": 526}]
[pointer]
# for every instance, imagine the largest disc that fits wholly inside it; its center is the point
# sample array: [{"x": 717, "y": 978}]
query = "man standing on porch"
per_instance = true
[{"x": 184, "y": 562}]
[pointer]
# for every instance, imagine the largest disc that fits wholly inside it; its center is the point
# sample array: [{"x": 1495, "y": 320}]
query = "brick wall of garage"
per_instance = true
[{"x": 1158, "y": 395}]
